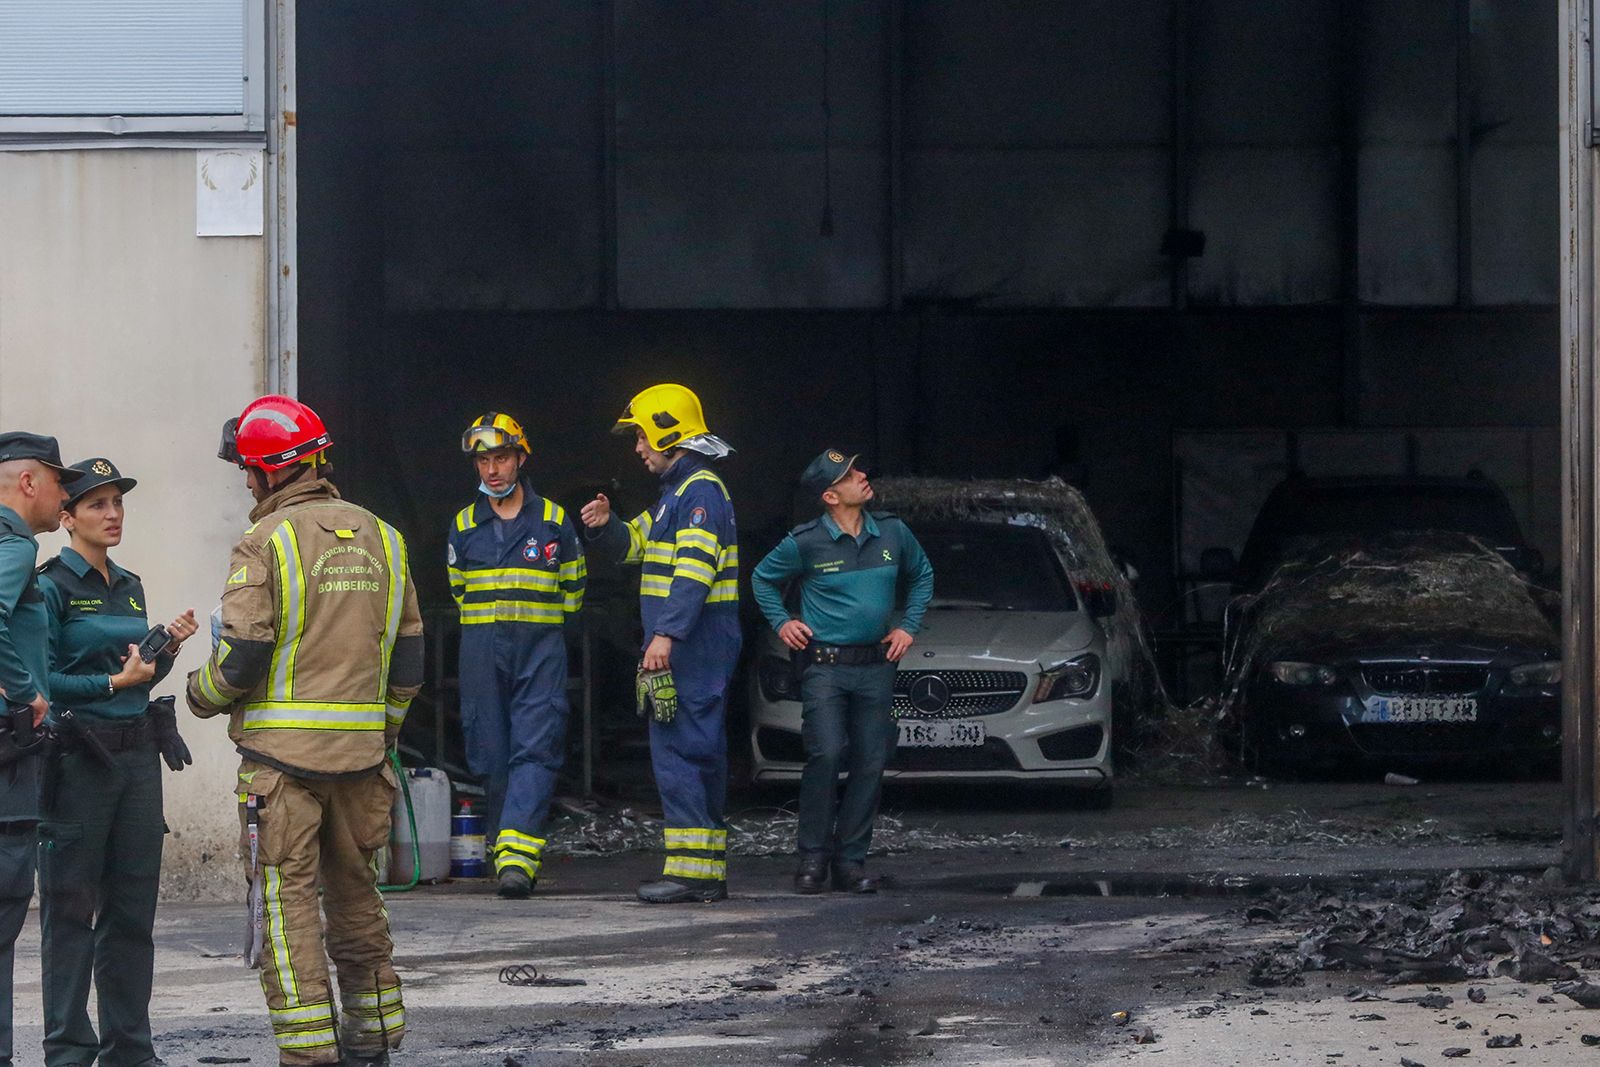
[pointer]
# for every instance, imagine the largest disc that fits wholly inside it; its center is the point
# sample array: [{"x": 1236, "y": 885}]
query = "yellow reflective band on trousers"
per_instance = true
[
  {"x": 291, "y": 611},
  {"x": 515, "y": 849},
  {"x": 305, "y": 1014},
  {"x": 289, "y": 715},
  {"x": 370, "y": 1014},
  {"x": 696, "y": 852},
  {"x": 693, "y": 867},
  {"x": 394, "y": 555},
  {"x": 709, "y": 840},
  {"x": 276, "y": 935}
]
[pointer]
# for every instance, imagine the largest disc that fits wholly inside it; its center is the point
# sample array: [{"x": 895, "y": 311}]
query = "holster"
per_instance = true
[{"x": 18, "y": 737}]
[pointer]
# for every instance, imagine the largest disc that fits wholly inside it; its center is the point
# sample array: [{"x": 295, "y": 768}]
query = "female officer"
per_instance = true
[{"x": 101, "y": 828}]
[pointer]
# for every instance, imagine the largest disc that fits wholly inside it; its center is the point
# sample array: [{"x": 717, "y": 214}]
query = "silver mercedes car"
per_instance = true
[{"x": 1014, "y": 674}]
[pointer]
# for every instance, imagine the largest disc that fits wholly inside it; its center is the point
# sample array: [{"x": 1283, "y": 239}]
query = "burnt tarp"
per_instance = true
[
  {"x": 1343, "y": 594},
  {"x": 1062, "y": 513}
]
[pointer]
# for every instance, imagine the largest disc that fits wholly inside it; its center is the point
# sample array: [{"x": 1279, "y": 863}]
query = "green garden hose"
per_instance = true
[{"x": 416, "y": 842}]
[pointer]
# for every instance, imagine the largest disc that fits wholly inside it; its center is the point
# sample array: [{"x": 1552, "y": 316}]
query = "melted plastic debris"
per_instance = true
[
  {"x": 1465, "y": 926},
  {"x": 1435, "y": 587}
]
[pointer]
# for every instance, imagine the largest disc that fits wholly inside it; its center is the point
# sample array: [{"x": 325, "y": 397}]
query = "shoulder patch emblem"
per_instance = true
[
  {"x": 697, "y": 517},
  {"x": 661, "y": 512},
  {"x": 552, "y": 549},
  {"x": 887, "y": 557},
  {"x": 450, "y": 554},
  {"x": 135, "y": 605},
  {"x": 239, "y": 577},
  {"x": 531, "y": 551}
]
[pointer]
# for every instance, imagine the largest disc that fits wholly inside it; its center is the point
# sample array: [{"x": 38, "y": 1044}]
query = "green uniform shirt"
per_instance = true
[
  {"x": 24, "y": 653},
  {"x": 91, "y": 626},
  {"x": 848, "y": 585}
]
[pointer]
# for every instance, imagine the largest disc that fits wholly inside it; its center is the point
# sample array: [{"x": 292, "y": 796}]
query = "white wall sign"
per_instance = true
[{"x": 228, "y": 197}]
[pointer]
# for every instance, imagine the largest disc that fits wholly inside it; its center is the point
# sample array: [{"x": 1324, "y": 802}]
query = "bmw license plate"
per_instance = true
[
  {"x": 915, "y": 733},
  {"x": 1420, "y": 709}
]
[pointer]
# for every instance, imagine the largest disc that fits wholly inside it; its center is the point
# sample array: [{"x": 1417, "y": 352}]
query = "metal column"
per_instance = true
[
  {"x": 281, "y": 373},
  {"x": 1578, "y": 408}
]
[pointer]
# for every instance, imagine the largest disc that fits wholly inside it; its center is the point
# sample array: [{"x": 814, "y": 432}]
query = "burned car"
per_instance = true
[
  {"x": 1029, "y": 656},
  {"x": 1404, "y": 647}
]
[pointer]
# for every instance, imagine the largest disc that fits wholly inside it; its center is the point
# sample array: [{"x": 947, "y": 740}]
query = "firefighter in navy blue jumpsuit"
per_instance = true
[
  {"x": 517, "y": 572},
  {"x": 689, "y": 605}
]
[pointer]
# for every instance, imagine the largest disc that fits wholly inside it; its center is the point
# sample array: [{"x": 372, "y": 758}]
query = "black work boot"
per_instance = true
[
  {"x": 812, "y": 877},
  {"x": 666, "y": 891},
  {"x": 515, "y": 884},
  {"x": 850, "y": 876}
]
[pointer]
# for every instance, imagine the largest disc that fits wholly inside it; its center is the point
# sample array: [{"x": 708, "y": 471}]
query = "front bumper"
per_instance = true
[
  {"x": 1065, "y": 741},
  {"x": 1321, "y": 724}
]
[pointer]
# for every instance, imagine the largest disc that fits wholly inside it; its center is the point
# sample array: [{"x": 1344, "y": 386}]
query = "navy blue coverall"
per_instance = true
[
  {"x": 688, "y": 545},
  {"x": 516, "y": 581}
]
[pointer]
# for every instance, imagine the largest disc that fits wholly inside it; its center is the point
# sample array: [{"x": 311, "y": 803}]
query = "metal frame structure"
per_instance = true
[{"x": 1579, "y": 399}]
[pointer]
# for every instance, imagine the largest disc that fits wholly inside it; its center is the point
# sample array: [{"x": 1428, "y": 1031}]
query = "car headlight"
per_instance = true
[
  {"x": 1076, "y": 679},
  {"x": 1288, "y": 672},
  {"x": 1537, "y": 674},
  {"x": 778, "y": 678}
]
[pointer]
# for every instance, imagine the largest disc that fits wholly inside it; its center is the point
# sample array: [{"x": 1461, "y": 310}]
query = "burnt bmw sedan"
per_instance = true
[{"x": 1401, "y": 647}]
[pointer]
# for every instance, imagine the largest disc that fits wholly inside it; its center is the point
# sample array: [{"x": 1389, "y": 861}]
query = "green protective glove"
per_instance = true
[{"x": 657, "y": 694}]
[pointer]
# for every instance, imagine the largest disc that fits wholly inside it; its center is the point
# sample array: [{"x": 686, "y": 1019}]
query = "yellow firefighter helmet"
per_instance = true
[{"x": 668, "y": 415}]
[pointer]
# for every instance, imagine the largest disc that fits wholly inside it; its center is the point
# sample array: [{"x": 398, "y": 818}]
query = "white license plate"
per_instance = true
[
  {"x": 917, "y": 733},
  {"x": 1420, "y": 709}
]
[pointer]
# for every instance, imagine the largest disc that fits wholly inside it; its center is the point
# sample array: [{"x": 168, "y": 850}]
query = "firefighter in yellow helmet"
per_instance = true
[
  {"x": 517, "y": 573},
  {"x": 688, "y": 547},
  {"x": 319, "y": 655}
]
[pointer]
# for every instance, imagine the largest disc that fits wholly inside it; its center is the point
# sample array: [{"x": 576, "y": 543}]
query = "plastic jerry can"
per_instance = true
[
  {"x": 430, "y": 803},
  {"x": 466, "y": 843}
]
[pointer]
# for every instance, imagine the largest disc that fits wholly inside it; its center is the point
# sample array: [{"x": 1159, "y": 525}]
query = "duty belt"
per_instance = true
[
  {"x": 846, "y": 655},
  {"x": 119, "y": 735}
]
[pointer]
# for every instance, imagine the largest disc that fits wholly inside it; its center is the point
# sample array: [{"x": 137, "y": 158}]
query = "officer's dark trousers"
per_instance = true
[
  {"x": 17, "y": 851},
  {"x": 514, "y": 713},
  {"x": 847, "y": 724},
  {"x": 99, "y": 869},
  {"x": 689, "y": 755}
]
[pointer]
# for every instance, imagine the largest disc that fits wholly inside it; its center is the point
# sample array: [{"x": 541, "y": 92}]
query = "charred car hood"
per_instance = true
[
  {"x": 1012, "y": 636},
  {"x": 1422, "y": 594}
]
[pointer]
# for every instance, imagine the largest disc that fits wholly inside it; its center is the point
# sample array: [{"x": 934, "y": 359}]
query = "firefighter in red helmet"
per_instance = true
[{"x": 319, "y": 655}]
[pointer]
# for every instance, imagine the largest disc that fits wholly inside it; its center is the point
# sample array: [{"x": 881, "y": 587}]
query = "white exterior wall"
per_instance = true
[{"x": 125, "y": 335}]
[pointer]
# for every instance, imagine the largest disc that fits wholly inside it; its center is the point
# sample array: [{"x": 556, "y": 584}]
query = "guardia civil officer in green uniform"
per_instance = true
[
  {"x": 101, "y": 826},
  {"x": 849, "y": 564},
  {"x": 31, "y": 495}
]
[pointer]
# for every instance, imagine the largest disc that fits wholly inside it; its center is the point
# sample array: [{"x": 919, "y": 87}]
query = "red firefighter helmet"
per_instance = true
[{"x": 275, "y": 431}]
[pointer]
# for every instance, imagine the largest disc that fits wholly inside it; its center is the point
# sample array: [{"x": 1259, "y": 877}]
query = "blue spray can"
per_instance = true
[{"x": 466, "y": 843}]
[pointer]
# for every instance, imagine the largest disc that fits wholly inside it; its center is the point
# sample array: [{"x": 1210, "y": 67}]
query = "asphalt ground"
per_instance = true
[{"x": 1006, "y": 949}]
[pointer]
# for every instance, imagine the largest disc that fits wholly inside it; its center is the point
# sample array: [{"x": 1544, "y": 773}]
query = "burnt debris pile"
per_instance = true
[{"x": 1464, "y": 926}]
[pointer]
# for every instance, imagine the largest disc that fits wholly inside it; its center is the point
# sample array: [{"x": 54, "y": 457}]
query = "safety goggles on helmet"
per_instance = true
[
  {"x": 493, "y": 430},
  {"x": 487, "y": 439}
]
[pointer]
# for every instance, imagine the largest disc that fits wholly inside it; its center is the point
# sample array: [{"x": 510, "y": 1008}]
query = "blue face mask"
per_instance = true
[{"x": 501, "y": 495}]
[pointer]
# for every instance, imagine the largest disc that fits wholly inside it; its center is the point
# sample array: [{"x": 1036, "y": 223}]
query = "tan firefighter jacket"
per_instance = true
[{"x": 321, "y": 644}]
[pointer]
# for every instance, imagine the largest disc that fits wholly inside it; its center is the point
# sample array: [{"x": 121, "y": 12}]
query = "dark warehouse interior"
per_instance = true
[{"x": 966, "y": 238}]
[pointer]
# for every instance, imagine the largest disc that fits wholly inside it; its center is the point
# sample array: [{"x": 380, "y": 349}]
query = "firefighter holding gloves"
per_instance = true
[
  {"x": 517, "y": 574},
  {"x": 688, "y": 547},
  {"x": 319, "y": 656}
]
